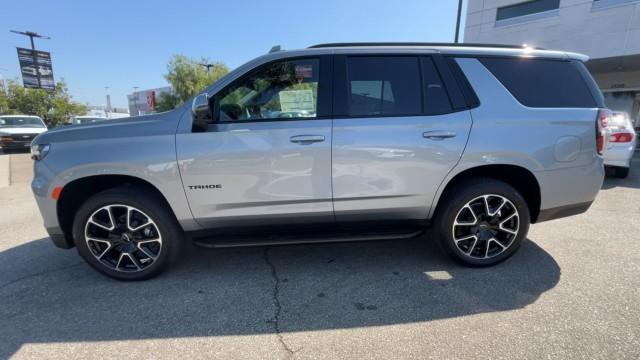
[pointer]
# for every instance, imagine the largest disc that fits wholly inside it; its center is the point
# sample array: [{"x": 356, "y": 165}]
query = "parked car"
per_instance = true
[
  {"x": 621, "y": 146},
  {"x": 17, "y": 131},
  {"x": 476, "y": 142},
  {"x": 80, "y": 120}
]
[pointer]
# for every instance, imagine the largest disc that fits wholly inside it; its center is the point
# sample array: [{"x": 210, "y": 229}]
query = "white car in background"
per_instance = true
[
  {"x": 80, "y": 120},
  {"x": 17, "y": 131},
  {"x": 622, "y": 144}
]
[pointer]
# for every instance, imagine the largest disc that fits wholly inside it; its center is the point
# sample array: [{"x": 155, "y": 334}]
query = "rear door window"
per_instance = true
[
  {"x": 384, "y": 86},
  {"x": 436, "y": 99},
  {"x": 542, "y": 83}
]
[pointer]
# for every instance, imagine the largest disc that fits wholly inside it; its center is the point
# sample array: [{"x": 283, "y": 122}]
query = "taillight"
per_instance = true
[
  {"x": 621, "y": 137},
  {"x": 601, "y": 124}
]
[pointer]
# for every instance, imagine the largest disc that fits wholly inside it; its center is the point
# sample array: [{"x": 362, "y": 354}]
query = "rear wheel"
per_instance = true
[
  {"x": 127, "y": 234},
  {"x": 482, "y": 222}
]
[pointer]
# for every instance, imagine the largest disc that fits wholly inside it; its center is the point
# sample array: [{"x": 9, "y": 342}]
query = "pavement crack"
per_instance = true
[
  {"x": 278, "y": 307},
  {"x": 26, "y": 277}
]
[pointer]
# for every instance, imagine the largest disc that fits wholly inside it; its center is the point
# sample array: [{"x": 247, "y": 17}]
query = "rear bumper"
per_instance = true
[
  {"x": 619, "y": 154},
  {"x": 569, "y": 191},
  {"x": 563, "y": 211}
]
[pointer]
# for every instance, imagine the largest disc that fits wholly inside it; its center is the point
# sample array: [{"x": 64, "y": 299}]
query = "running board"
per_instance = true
[{"x": 299, "y": 240}]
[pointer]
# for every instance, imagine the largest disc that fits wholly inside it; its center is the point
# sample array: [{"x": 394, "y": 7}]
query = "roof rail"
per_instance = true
[{"x": 356, "y": 44}]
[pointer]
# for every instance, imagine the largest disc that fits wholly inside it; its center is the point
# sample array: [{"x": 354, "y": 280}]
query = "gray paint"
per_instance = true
[{"x": 373, "y": 168}]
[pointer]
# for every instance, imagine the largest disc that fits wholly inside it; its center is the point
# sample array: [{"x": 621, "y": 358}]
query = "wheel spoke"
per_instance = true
[
  {"x": 466, "y": 238},
  {"x": 103, "y": 241},
  {"x": 475, "y": 218},
  {"x": 504, "y": 202},
  {"x": 100, "y": 225},
  {"x": 501, "y": 228},
  {"x": 129, "y": 217},
  {"x": 133, "y": 260},
  {"x": 473, "y": 246},
  {"x": 119, "y": 260}
]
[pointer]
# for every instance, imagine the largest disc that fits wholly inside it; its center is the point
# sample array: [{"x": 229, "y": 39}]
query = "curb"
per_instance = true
[{"x": 5, "y": 170}]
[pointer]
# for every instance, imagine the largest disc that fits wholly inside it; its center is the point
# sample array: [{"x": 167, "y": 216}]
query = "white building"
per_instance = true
[
  {"x": 606, "y": 30},
  {"x": 143, "y": 102}
]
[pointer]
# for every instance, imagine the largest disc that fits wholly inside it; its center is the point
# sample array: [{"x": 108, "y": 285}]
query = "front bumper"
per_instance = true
[
  {"x": 44, "y": 180},
  {"x": 15, "y": 145}
]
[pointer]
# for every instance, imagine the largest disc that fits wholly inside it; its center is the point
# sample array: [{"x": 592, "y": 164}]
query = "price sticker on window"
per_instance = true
[{"x": 296, "y": 100}]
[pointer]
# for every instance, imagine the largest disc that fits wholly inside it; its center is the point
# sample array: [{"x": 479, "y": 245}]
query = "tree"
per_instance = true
[
  {"x": 54, "y": 106},
  {"x": 188, "y": 77}
]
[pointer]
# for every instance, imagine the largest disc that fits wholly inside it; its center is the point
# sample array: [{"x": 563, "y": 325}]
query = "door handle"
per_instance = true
[
  {"x": 438, "y": 134},
  {"x": 306, "y": 139}
]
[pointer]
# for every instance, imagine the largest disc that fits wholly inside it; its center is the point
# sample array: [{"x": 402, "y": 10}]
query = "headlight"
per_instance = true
[{"x": 39, "y": 151}]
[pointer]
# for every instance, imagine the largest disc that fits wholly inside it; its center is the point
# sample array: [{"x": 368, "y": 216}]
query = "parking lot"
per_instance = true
[{"x": 572, "y": 291}]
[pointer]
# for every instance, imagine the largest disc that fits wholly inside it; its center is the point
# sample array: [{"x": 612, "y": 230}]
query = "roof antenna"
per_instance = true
[{"x": 275, "y": 48}]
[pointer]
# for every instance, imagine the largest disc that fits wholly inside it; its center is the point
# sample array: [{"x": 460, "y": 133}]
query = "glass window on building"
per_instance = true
[{"x": 527, "y": 8}]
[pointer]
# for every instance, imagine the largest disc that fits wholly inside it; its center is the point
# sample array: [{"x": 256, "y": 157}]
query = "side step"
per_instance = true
[{"x": 293, "y": 239}]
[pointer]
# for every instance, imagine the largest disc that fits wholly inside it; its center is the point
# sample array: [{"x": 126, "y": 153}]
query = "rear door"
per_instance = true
[
  {"x": 266, "y": 158},
  {"x": 396, "y": 134}
]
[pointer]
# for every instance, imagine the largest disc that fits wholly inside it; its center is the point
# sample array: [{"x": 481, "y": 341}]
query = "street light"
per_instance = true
[
  {"x": 458, "y": 20},
  {"x": 108, "y": 109},
  {"x": 31, "y": 35},
  {"x": 208, "y": 66}
]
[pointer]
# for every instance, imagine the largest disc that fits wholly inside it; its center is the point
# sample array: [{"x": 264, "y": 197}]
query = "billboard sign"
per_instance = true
[{"x": 36, "y": 69}]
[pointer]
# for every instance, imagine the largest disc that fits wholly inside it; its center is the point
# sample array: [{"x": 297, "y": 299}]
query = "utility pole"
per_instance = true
[
  {"x": 135, "y": 99},
  {"x": 31, "y": 35},
  {"x": 458, "y": 20},
  {"x": 108, "y": 108}
]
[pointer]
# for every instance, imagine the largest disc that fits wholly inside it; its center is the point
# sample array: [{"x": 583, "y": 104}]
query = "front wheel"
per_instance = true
[
  {"x": 482, "y": 222},
  {"x": 126, "y": 233}
]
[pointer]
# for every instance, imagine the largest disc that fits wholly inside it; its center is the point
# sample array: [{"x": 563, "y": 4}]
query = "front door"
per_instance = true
[
  {"x": 397, "y": 140},
  {"x": 266, "y": 157}
]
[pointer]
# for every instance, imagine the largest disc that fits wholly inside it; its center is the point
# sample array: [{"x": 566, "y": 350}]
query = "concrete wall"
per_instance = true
[{"x": 606, "y": 29}]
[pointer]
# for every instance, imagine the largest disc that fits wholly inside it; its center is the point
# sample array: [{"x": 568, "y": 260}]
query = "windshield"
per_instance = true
[{"x": 16, "y": 122}]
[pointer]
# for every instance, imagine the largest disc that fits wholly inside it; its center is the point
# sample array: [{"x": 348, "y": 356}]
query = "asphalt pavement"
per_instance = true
[{"x": 571, "y": 292}]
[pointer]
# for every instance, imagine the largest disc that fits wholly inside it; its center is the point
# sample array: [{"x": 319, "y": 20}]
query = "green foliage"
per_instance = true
[
  {"x": 167, "y": 101},
  {"x": 188, "y": 78},
  {"x": 54, "y": 106}
]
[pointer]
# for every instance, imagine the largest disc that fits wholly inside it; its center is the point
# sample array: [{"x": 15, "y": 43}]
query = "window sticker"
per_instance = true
[
  {"x": 296, "y": 100},
  {"x": 304, "y": 71}
]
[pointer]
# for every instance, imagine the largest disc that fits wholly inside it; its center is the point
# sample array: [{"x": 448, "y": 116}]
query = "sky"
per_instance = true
[{"x": 121, "y": 44}]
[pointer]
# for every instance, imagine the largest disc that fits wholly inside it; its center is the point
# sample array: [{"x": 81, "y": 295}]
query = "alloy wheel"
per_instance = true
[
  {"x": 123, "y": 238},
  {"x": 486, "y": 226}
]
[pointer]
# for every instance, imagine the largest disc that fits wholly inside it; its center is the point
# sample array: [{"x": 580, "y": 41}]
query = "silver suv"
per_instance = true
[{"x": 337, "y": 142}]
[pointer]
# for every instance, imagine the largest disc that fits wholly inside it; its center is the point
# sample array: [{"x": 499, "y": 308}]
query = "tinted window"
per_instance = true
[
  {"x": 436, "y": 100},
  {"x": 282, "y": 90},
  {"x": 542, "y": 83},
  {"x": 526, "y": 8},
  {"x": 384, "y": 86}
]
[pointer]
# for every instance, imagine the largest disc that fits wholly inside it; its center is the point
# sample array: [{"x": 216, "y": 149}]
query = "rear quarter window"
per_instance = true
[{"x": 542, "y": 83}]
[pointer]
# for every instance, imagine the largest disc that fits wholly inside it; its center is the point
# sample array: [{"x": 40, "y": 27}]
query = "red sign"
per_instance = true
[{"x": 151, "y": 100}]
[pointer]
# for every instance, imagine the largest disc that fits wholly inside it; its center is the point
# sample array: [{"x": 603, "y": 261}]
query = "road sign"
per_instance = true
[{"x": 36, "y": 69}]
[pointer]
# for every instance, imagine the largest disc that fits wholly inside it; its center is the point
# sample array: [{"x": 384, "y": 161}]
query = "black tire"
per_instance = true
[
  {"x": 621, "y": 172},
  {"x": 165, "y": 227},
  {"x": 453, "y": 205}
]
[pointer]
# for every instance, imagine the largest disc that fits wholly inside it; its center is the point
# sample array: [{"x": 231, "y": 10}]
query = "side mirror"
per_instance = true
[{"x": 201, "y": 112}]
